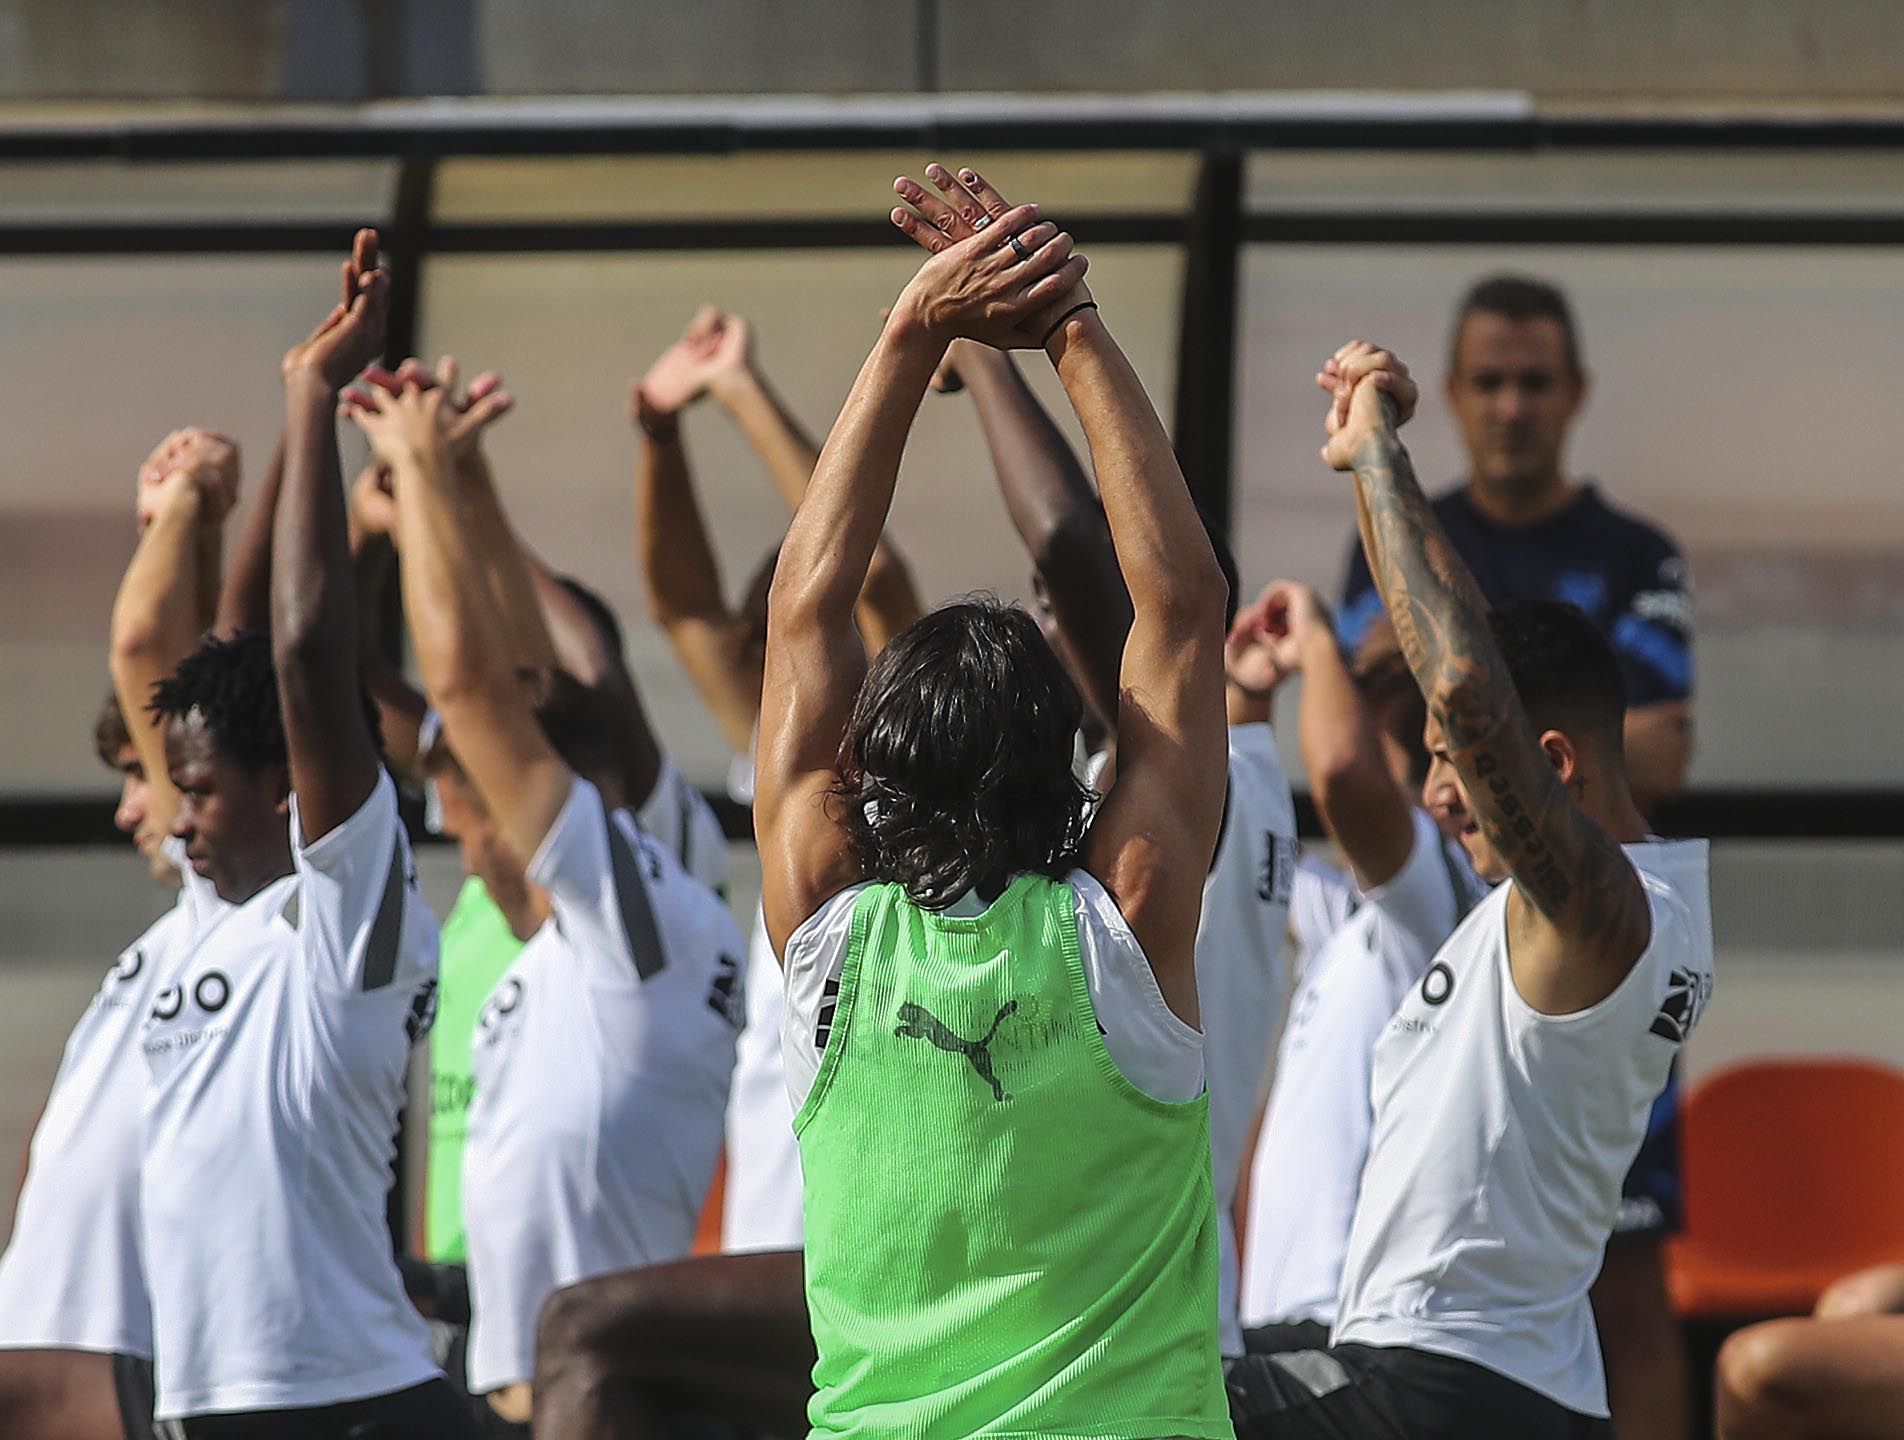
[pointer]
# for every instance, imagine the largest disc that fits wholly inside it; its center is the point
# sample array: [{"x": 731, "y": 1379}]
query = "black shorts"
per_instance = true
[
  {"x": 1286, "y": 1335},
  {"x": 1651, "y": 1200},
  {"x": 1366, "y": 1392},
  {"x": 132, "y": 1382},
  {"x": 430, "y": 1411}
]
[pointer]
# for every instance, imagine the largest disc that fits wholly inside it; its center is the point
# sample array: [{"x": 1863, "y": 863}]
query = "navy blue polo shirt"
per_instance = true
[{"x": 1626, "y": 574}]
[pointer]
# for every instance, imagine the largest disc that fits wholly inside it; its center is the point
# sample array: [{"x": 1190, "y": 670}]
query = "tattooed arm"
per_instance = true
[{"x": 1578, "y": 918}]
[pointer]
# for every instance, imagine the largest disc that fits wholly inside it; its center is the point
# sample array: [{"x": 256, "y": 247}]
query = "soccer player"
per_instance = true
[
  {"x": 75, "y": 1320},
  {"x": 1361, "y": 745},
  {"x": 1836, "y": 1376},
  {"x": 1527, "y": 530},
  {"x": 1512, "y": 1087},
  {"x": 603, "y": 1056},
  {"x": 721, "y": 650},
  {"x": 550, "y": 621},
  {"x": 1241, "y": 975},
  {"x": 277, "y": 1052},
  {"x": 991, "y": 1009}
]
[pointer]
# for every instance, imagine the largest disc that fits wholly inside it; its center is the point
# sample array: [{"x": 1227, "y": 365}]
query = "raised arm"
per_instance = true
[
  {"x": 1578, "y": 918},
  {"x": 1152, "y": 840},
  {"x": 1287, "y": 631},
  {"x": 815, "y": 662},
  {"x": 587, "y": 647},
  {"x": 244, "y": 601},
  {"x": 1057, "y": 514},
  {"x": 677, "y": 560},
  {"x": 333, "y": 755},
  {"x": 443, "y": 511},
  {"x": 888, "y": 599},
  {"x": 186, "y": 488},
  {"x": 401, "y": 708}
]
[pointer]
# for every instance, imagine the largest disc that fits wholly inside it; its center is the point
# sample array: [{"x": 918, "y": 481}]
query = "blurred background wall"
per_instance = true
[{"x": 1753, "y": 50}]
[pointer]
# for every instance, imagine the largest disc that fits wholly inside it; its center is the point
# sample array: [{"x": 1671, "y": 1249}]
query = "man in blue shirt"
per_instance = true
[{"x": 1529, "y": 531}]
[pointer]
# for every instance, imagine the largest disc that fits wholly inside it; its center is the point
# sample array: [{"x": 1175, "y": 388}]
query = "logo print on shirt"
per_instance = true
[
  {"x": 1438, "y": 984},
  {"x": 211, "y": 991},
  {"x": 918, "y": 1023},
  {"x": 503, "y": 1002},
  {"x": 723, "y": 996},
  {"x": 129, "y": 966},
  {"x": 1686, "y": 994},
  {"x": 1278, "y": 878}
]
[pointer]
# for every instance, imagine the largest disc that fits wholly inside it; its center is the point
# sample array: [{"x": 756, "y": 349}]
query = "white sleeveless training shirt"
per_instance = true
[
  {"x": 762, "y": 1207},
  {"x": 601, "y": 1063},
  {"x": 278, "y": 1057},
  {"x": 72, "y": 1277},
  {"x": 1501, "y": 1137},
  {"x": 1241, "y": 976},
  {"x": 1307, "y": 1168}
]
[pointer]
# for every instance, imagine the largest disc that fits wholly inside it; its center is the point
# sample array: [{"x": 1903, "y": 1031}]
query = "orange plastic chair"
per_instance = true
[{"x": 1794, "y": 1174}]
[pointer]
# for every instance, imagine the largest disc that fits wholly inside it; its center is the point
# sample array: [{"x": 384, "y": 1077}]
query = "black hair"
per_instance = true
[
  {"x": 110, "y": 734},
  {"x": 955, "y": 769},
  {"x": 600, "y": 614},
  {"x": 1389, "y": 690},
  {"x": 582, "y": 725},
  {"x": 1517, "y": 297},
  {"x": 233, "y": 687},
  {"x": 1563, "y": 669}
]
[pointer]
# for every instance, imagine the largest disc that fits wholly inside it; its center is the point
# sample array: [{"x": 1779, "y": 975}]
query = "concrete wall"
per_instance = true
[{"x": 348, "y": 49}]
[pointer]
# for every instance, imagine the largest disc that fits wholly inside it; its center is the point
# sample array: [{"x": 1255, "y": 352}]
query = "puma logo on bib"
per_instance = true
[{"x": 918, "y": 1023}]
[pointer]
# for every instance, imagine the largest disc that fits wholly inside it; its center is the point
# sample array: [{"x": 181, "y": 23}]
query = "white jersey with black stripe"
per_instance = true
[
  {"x": 602, "y": 1062},
  {"x": 277, "y": 1058},
  {"x": 72, "y": 1277},
  {"x": 685, "y": 825}
]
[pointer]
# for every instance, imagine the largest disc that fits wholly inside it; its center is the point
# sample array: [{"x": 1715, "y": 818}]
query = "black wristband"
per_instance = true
[{"x": 1059, "y": 323}]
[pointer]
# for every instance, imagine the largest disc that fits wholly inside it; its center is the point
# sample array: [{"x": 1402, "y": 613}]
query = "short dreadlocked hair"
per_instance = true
[
  {"x": 232, "y": 685},
  {"x": 110, "y": 735}
]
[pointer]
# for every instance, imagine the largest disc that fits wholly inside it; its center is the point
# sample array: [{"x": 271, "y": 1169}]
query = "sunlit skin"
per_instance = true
[
  {"x": 486, "y": 855},
  {"x": 1514, "y": 397},
  {"x": 134, "y": 815},
  {"x": 1445, "y": 799},
  {"x": 234, "y": 822}
]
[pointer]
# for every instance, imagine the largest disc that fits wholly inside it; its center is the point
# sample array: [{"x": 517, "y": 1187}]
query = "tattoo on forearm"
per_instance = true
[{"x": 1567, "y": 865}]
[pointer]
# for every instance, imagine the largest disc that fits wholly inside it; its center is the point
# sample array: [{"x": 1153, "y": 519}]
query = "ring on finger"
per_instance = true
[
  {"x": 981, "y": 222},
  {"x": 1018, "y": 247}
]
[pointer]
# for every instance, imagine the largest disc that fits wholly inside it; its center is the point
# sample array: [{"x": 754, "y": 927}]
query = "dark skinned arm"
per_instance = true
[
  {"x": 244, "y": 602},
  {"x": 1058, "y": 516},
  {"x": 334, "y": 762}
]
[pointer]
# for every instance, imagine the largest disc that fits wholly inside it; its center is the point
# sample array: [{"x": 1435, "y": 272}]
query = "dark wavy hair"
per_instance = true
[
  {"x": 232, "y": 684},
  {"x": 955, "y": 769}
]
